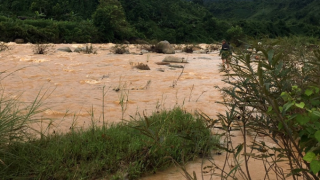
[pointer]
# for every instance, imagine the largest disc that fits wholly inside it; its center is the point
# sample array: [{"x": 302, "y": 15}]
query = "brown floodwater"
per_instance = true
[
  {"x": 75, "y": 83},
  {"x": 77, "y": 86}
]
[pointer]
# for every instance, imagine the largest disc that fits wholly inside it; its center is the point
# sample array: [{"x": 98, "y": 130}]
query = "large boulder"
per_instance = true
[
  {"x": 164, "y": 47},
  {"x": 174, "y": 59}
]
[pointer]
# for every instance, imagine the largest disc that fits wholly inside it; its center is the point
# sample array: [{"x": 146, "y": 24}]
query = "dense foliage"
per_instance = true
[
  {"x": 178, "y": 21},
  {"x": 274, "y": 93},
  {"x": 269, "y": 17}
]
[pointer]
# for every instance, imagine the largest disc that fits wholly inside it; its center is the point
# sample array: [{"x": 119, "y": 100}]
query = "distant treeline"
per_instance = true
[{"x": 178, "y": 21}]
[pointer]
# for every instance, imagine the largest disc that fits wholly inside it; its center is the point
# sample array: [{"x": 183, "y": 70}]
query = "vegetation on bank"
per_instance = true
[
  {"x": 274, "y": 93},
  {"x": 44, "y": 31},
  {"x": 136, "y": 21},
  {"x": 116, "y": 151}
]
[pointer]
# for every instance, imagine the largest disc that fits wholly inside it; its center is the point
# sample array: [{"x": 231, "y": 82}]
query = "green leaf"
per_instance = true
[
  {"x": 290, "y": 117},
  {"x": 309, "y": 156},
  {"x": 239, "y": 148},
  {"x": 315, "y": 102},
  {"x": 317, "y": 113},
  {"x": 308, "y": 92},
  {"x": 260, "y": 73},
  {"x": 294, "y": 87},
  {"x": 295, "y": 172},
  {"x": 278, "y": 68},
  {"x": 276, "y": 59},
  {"x": 301, "y": 119},
  {"x": 287, "y": 106},
  {"x": 280, "y": 126},
  {"x": 270, "y": 56},
  {"x": 280, "y": 108},
  {"x": 317, "y": 135},
  {"x": 267, "y": 85},
  {"x": 285, "y": 96},
  {"x": 300, "y": 105},
  {"x": 315, "y": 166},
  {"x": 233, "y": 169},
  {"x": 269, "y": 108}
]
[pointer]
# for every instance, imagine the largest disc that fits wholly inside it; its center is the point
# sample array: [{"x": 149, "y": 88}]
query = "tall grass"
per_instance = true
[
  {"x": 15, "y": 118},
  {"x": 125, "y": 150}
]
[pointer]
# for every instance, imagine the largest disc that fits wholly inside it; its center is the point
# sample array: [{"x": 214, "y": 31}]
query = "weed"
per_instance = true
[
  {"x": 140, "y": 66},
  {"x": 120, "y": 49},
  {"x": 89, "y": 49},
  {"x": 15, "y": 120},
  {"x": 188, "y": 49},
  {"x": 212, "y": 47},
  {"x": 146, "y": 46},
  {"x": 123, "y": 100},
  {"x": 175, "y": 82},
  {"x": 3, "y": 46},
  {"x": 42, "y": 48}
]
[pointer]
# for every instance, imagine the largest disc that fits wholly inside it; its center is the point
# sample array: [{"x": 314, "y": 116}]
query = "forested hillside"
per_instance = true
[
  {"x": 289, "y": 10},
  {"x": 178, "y": 21}
]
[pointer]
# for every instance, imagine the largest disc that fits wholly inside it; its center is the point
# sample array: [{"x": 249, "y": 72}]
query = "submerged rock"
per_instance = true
[
  {"x": 64, "y": 49},
  {"x": 174, "y": 59}
]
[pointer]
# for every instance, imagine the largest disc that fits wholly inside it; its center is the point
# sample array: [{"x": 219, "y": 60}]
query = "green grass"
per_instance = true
[{"x": 129, "y": 149}]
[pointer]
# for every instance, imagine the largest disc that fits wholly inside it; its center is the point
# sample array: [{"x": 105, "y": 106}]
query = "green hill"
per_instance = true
[
  {"x": 266, "y": 10},
  {"x": 178, "y": 21}
]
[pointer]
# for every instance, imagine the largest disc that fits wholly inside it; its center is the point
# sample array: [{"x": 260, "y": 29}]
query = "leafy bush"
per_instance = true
[{"x": 277, "y": 97}]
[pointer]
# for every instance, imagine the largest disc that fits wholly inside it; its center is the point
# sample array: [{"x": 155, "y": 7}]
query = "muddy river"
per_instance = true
[{"x": 77, "y": 86}]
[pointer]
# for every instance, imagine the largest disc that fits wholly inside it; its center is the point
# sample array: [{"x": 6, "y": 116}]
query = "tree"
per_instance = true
[
  {"x": 198, "y": 2},
  {"x": 235, "y": 34},
  {"x": 111, "y": 21}
]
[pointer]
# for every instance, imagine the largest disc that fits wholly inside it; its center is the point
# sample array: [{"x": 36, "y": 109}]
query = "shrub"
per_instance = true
[
  {"x": 88, "y": 49},
  {"x": 42, "y": 48},
  {"x": 120, "y": 49},
  {"x": 275, "y": 97}
]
